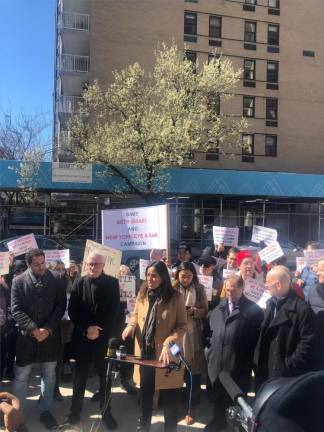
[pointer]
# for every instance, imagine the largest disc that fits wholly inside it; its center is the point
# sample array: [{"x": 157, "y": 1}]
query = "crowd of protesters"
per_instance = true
[{"x": 63, "y": 321}]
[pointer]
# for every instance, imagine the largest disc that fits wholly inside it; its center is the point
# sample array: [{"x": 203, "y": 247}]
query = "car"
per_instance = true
[{"x": 46, "y": 242}]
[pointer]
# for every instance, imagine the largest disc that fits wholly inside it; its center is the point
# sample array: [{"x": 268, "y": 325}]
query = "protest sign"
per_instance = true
[
  {"x": 300, "y": 263},
  {"x": 253, "y": 289},
  {"x": 141, "y": 228},
  {"x": 207, "y": 282},
  {"x": 271, "y": 253},
  {"x": 53, "y": 255},
  {"x": 130, "y": 308},
  {"x": 143, "y": 264},
  {"x": 227, "y": 236},
  {"x": 227, "y": 273},
  {"x": 113, "y": 258},
  {"x": 22, "y": 244},
  {"x": 313, "y": 256},
  {"x": 261, "y": 233},
  {"x": 263, "y": 300},
  {"x": 4, "y": 263},
  {"x": 127, "y": 287}
]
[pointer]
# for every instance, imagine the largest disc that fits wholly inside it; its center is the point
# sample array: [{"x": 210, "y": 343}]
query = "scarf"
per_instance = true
[
  {"x": 320, "y": 290},
  {"x": 148, "y": 336},
  {"x": 189, "y": 295}
]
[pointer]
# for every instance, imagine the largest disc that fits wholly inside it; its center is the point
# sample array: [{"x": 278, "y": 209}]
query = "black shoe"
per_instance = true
[
  {"x": 71, "y": 420},
  {"x": 131, "y": 390},
  {"x": 95, "y": 397},
  {"x": 58, "y": 396},
  {"x": 48, "y": 420},
  {"x": 109, "y": 421}
]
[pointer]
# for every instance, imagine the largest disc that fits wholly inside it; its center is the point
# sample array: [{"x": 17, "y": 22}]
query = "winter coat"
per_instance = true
[
  {"x": 288, "y": 343},
  {"x": 171, "y": 325},
  {"x": 37, "y": 307},
  {"x": 233, "y": 340}
]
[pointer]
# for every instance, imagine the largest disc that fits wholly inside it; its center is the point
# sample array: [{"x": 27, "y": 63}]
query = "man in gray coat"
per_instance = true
[{"x": 38, "y": 302}]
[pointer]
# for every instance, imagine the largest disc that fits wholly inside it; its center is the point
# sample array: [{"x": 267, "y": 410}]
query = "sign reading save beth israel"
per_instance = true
[{"x": 135, "y": 229}]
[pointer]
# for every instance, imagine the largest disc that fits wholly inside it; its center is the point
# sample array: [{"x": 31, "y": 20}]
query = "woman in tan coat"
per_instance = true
[
  {"x": 197, "y": 308},
  {"x": 159, "y": 319}
]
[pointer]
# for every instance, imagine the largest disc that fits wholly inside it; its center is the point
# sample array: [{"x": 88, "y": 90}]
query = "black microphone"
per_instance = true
[
  {"x": 113, "y": 344},
  {"x": 235, "y": 393}
]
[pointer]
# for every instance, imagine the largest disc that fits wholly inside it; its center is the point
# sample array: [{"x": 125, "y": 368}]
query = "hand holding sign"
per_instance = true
[{"x": 225, "y": 235}]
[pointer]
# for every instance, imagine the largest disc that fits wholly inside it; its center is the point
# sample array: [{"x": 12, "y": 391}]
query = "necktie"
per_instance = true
[{"x": 230, "y": 307}]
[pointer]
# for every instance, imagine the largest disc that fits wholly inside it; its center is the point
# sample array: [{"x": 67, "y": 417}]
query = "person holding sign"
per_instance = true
[
  {"x": 197, "y": 308},
  {"x": 159, "y": 319},
  {"x": 93, "y": 309},
  {"x": 234, "y": 325},
  {"x": 306, "y": 279}
]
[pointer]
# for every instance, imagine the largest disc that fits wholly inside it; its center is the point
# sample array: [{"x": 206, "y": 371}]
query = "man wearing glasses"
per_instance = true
[{"x": 93, "y": 308}]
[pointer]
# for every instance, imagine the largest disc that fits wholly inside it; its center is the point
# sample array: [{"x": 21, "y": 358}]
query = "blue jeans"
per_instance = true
[{"x": 22, "y": 374}]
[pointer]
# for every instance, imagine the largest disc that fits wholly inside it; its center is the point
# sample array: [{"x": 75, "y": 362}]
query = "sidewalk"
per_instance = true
[{"x": 124, "y": 408}]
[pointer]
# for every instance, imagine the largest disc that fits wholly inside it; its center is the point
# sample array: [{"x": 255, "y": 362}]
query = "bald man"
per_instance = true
[
  {"x": 287, "y": 344},
  {"x": 93, "y": 309}
]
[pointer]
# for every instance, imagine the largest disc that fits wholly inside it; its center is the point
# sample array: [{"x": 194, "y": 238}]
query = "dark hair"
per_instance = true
[
  {"x": 238, "y": 280},
  {"x": 234, "y": 250},
  {"x": 185, "y": 246},
  {"x": 33, "y": 253},
  {"x": 166, "y": 288},
  {"x": 313, "y": 244},
  {"x": 187, "y": 265}
]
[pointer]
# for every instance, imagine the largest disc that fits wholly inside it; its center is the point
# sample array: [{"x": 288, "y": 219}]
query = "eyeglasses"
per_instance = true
[{"x": 95, "y": 264}]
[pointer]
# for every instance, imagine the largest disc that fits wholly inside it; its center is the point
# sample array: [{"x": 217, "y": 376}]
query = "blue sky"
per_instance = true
[{"x": 27, "y": 39}]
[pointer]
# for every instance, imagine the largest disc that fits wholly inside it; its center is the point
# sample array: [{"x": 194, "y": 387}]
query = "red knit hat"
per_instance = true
[{"x": 242, "y": 255}]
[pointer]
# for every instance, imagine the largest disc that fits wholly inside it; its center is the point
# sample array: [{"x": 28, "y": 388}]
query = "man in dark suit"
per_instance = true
[
  {"x": 93, "y": 308},
  {"x": 288, "y": 340},
  {"x": 235, "y": 325}
]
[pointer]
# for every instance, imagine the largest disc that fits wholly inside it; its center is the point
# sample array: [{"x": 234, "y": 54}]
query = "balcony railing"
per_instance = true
[
  {"x": 64, "y": 142},
  {"x": 75, "y": 21},
  {"x": 69, "y": 104},
  {"x": 74, "y": 63}
]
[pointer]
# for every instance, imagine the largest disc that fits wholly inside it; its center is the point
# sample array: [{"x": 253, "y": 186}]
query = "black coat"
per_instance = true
[
  {"x": 94, "y": 302},
  {"x": 34, "y": 307},
  {"x": 233, "y": 340},
  {"x": 287, "y": 345}
]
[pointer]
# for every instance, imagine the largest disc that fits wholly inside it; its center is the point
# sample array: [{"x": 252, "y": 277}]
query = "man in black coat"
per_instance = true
[
  {"x": 38, "y": 302},
  {"x": 287, "y": 346},
  {"x": 93, "y": 308},
  {"x": 235, "y": 325}
]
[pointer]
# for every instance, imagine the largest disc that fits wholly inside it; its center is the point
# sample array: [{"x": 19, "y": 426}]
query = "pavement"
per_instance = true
[{"x": 125, "y": 409}]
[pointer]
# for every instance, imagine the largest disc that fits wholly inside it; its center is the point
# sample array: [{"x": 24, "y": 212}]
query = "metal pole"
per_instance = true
[
  {"x": 45, "y": 217},
  {"x": 97, "y": 222},
  {"x": 221, "y": 212},
  {"x": 263, "y": 213},
  {"x": 319, "y": 222}
]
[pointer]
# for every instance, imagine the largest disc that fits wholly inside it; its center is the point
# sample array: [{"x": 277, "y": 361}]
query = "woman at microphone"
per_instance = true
[{"x": 159, "y": 319}]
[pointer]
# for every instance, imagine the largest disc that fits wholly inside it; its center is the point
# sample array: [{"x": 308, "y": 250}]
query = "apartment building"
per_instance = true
[{"x": 276, "y": 43}]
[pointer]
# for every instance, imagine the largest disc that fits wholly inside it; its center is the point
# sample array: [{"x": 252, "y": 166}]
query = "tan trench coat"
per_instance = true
[{"x": 171, "y": 325}]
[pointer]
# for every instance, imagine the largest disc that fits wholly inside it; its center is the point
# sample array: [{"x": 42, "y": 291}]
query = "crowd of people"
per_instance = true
[{"x": 63, "y": 321}]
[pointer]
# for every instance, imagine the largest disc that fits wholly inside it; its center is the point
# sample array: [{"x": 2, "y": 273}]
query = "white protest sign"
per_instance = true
[
  {"x": 139, "y": 228},
  {"x": 227, "y": 236},
  {"x": 263, "y": 300},
  {"x": 4, "y": 263},
  {"x": 127, "y": 287},
  {"x": 207, "y": 282},
  {"x": 228, "y": 272},
  {"x": 130, "y": 308},
  {"x": 313, "y": 256},
  {"x": 113, "y": 258},
  {"x": 53, "y": 255},
  {"x": 143, "y": 264},
  {"x": 261, "y": 233},
  {"x": 300, "y": 263},
  {"x": 253, "y": 289},
  {"x": 22, "y": 244},
  {"x": 271, "y": 253}
]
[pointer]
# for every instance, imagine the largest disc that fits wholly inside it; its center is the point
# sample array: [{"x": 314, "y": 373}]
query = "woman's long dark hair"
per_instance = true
[
  {"x": 166, "y": 288},
  {"x": 187, "y": 265}
]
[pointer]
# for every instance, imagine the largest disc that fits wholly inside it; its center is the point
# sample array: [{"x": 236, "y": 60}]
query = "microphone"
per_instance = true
[
  {"x": 236, "y": 394},
  {"x": 176, "y": 352},
  {"x": 113, "y": 344}
]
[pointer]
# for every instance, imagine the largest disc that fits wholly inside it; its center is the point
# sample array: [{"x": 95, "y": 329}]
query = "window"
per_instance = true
[
  {"x": 191, "y": 56},
  {"x": 250, "y": 31},
  {"x": 271, "y": 145},
  {"x": 213, "y": 154},
  {"x": 273, "y": 34},
  {"x": 249, "y": 69},
  {"x": 249, "y": 5},
  {"x": 214, "y": 104},
  {"x": 274, "y": 4},
  {"x": 248, "y": 106},
  {"x": 251, "y": 2},
  {"x": 215, "y": 26},
  {"x": 272, "y": 72},
  {"x": 247, "y": 148},
  {"x": 271, "y": 112},
  {"x": 190, "y": 26}
]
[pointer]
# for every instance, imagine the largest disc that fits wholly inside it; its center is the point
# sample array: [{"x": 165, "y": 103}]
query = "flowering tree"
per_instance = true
[{"x": 156, "y": 120}]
